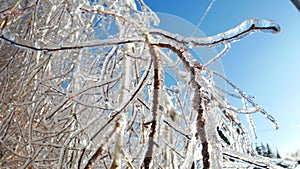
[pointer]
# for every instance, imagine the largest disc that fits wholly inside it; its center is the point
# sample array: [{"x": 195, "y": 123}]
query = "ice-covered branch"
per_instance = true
[
  {"x": 252, "y": 160},
  {"x": 98, "y": 151},
  {"x": 249, "y": 100},
  {"x": 197, "y": 105},
  {"x": 84, "y": 45},
  {"x": 68, "y": 99},
  {"x": 249, "y": 119},
  {"x": 175, "y": 127},
  {"x": 248, "y": 110},
  {"x": 122, "y": 121},
  {"x": 101, "y": 11},
  {"x": 219, "y": 55},
  {"x": 132, "y": 95},
  {"x": 244, "y": 29},
  {"x": 156, "y": 100}
]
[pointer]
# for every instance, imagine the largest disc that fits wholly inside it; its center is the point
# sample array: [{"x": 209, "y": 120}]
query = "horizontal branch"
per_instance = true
[
  {"x": 85, "y": 45},
  {"x": 235, "y": 34},
  {"x": 252, "y": 160}
]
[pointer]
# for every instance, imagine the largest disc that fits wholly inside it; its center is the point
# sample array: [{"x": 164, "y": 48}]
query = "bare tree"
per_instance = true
[{"x": 82, "y": 86}]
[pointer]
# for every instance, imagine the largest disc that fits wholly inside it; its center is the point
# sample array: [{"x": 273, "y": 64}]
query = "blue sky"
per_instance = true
[{"x": 264, "y": 64}]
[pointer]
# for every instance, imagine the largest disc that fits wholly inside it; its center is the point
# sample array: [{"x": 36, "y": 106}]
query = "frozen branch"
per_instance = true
[
  {"x": 156, "y": 100},
  {"x": 85, "y": 45},
  {"x": 243, "y": 94},
  {"x": 68, "y": 99},
  {"x": 255, "y": 161},
  {"x": 197, "y": 101},
  {"x": 236, "y": 34},
  {"x": 219, "y": 55},
  {"x": 122, "y": 121}
]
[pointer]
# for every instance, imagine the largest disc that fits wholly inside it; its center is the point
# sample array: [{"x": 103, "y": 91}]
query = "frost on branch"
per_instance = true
[{"x": 83, "y": 85}]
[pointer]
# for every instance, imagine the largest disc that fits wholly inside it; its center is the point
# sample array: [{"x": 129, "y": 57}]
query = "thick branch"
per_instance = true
[
  {"x": 182, "y": 53},
  {"x": 157, "y": 87}
]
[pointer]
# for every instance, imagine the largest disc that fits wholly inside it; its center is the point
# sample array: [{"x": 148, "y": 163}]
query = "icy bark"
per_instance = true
[{"x": 156, "y": 100}]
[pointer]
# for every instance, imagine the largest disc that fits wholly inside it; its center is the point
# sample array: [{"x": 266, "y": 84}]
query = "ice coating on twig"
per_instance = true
[
  {"x": 235, "y": 34},
  {"x": 219, "y": 55},
  {"x": 249, "y": 100}
]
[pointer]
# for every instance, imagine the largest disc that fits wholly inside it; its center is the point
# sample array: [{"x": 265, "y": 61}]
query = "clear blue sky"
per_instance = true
[{"x": 264, "y": 65}]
